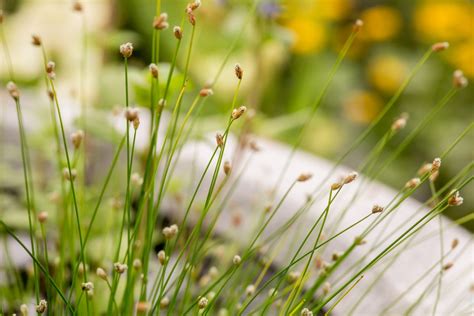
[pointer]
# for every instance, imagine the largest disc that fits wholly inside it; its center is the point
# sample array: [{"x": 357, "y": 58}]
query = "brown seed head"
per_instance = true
[
  {"x": 377, "y": 209},
  {"x": 227, "y": 168},
  {"x": 448, "y": 266},
  {"x": 436, "y": 164},
  {"x": 131, "y": 114},
  {"x": 304, "y": 177},
  {"x": 239, "y": 72},
  {"x": 76, "y": 138},
  {"x": 120, "y": 268},
  {"x": 153, "y": 70},
  {"x": 205, "y": 92},
  {"x": 178, "y": 32},
  {"x": 438, "y": 47},
  {"x": 219, "y": 139},
  {"x": 13, "y": 90},
  {"x": 358, "y": 25},
  {"x": 412, "y": 183},
  {"x": 143, "y": 307},
  {"x": 136, "y": 122},
  {"x": 42, "y": 306},
  {"x": 161, "y": 22},
  {"x": 454, "y": 243},
  {"x": 161, "y": 257},
  {"x": 42, "y": 217},
  {"x": 455, "y": 199},
  {"x": 126, "y": 50},
  {"x": 77, "y": 6},
  {"x": 36, "y": 40},
  {"x": 459, "y": 80},
  {"x": 350, "y": 177},
  {"x": 336, "y": 186},
  {"x": 236, "y": 113},
  {"x": 101, "y": 274},
  {"x": 399, "y": 123}
]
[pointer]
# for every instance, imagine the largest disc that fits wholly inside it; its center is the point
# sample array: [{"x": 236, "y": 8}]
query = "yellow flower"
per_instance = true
[
  {"x": 362, "y": 106},
  {"x": 447, "y": 20},
  {"x": 386, "y": 73},
  {"x": 333, "y": 10},
  {"x": 308, "y": 35},
  {"x": 461, "y": 56},
  {"x": 380, "y": 23}
]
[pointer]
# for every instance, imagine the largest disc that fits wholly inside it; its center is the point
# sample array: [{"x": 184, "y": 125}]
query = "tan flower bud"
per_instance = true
[
  {"x": 178, "y": 32},
  {"x": 239, "y": 72},
  {"x": 126, "y": 50},
  {"x": 438, "y": 47},
  {"x": 153, "y": 70}
]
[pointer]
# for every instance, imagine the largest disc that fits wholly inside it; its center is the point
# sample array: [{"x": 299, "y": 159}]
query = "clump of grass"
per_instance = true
[{"x": 161, "y": 264}]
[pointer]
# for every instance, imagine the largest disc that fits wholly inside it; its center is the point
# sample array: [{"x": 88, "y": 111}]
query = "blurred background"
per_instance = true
[{"x": 286, "y": 51}]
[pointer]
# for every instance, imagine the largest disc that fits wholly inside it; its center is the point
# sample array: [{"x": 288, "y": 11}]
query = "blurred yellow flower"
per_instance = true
[
  {"x": 380, "y": 23},
  {"x": 462, "y": 56},
  {"x": 308, "y": 35},
  {"x": 386, "y": 73},
  {"x": 362, "y": 106},
  {"x": 333, "y": 10},
  {"x": 445, "y": 20}
]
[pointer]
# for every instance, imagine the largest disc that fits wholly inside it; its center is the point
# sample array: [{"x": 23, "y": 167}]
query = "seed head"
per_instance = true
[
  {"x": 306, "y": 312},
  {"x": 448, "y": 266},
  {"x": 236, "y": 260},
  {"x": 293, "y": 276},
  {"x": 165, "y": 301},
  {"x": 205, "y": 92},
  {"x": 36, "y": 40},
  {"x": 358, "y": 25},
  {"x": 455, "y": 199},
  {"x": 239, "y": 72},
  {"x": 87, "y": 286},
  {"x": 50, "y": 94},
  {"x": 76, "y": 138},
  {"x": 171, "y": 231},
  {"x": 161, "y": 22},
  {"x": 377, "y": 209},
  {"x": 41, "y": 307},
  {"x": 178, "y": 32},
  {"x": 459, "y": 80},
  {"x": 161, "y": 257},
  {"x": 131, "y": 114},
  {"x": 120, "y": 268},
  {"x": 101, "y": 274},
  {"x": 250, "y": 290},
  {"x": 304, "y": 177},
  {"x": 359, "y": 241},
  {"x": 454, "y": 243},
  {"x": 236, "y": 113},
  {"x": 335, "y": 256},
  {"x": 153, "y": 70},
  {"x": 50, "y": 67},
  {"x": 69, "y": 176},
  {"x": 13, "y": 90},
  {"x": 326, "y": 288},
  {"x": 136, "y": 123},
  {"x": 42, "y": 217},
  {"x": 136, "y": 179},
  {"x": 227, "y": 168},
  {"x": 24, "y": 309},
  {"x": 400, "y": 123},
  {"x": 424, "y": 169},
  {"x": 336, "y": 186},
  {"x": 203, "y": 302},
  {"x": 438, "y": 47},
  {"x": 143, "y": 307},
  {"x": 137, "y": 264},
  {"x": 350, "y": 177},
  {"x": 193, "y": 6},
  {"x": 219, "y": 140},
  {"x": 126, "y": 50},
  {"x": 412, "y": 183},
  {"x": 436, "y": 164},
  {"x": 77, "y": 6}
]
